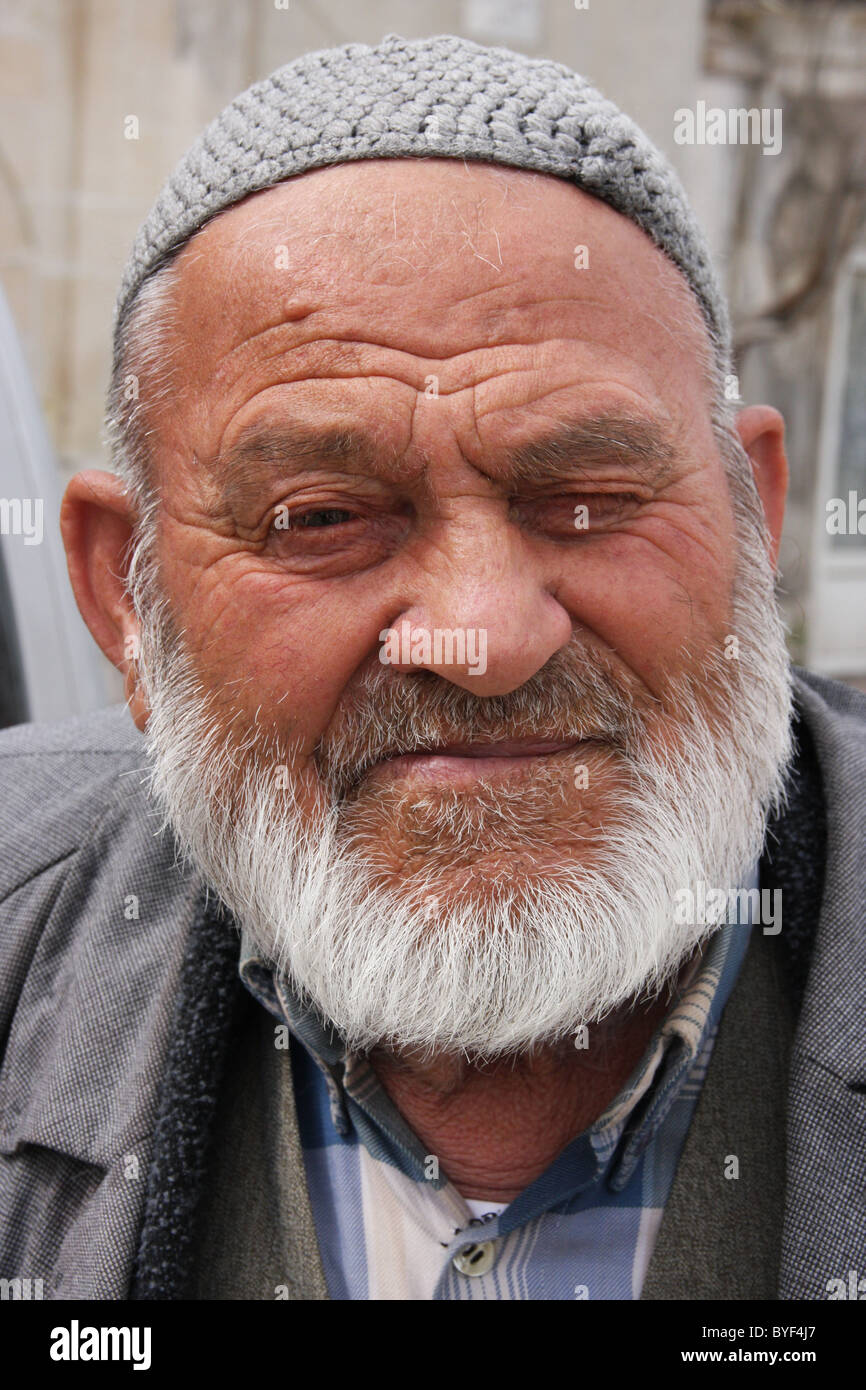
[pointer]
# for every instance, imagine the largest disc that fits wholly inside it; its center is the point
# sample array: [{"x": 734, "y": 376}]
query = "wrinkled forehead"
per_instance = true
[{"x": 432, "y": 256}]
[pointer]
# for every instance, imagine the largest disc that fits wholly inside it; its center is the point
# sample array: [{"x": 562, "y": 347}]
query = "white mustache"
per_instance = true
[{"x": 570, "y": 700}]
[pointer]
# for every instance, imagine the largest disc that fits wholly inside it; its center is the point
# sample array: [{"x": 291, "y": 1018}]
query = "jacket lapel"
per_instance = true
[
  {"x": 825, "y": 1214},
  {"x": 722, "y": 1225},
  {"x": 86, "y": 1053}
]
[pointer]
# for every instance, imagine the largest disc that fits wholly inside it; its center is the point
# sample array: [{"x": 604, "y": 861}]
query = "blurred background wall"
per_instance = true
[{"x": 99, "y": 99}]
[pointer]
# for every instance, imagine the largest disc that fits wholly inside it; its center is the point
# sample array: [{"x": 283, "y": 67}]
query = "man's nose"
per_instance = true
[{"x": 484, "y": 616}]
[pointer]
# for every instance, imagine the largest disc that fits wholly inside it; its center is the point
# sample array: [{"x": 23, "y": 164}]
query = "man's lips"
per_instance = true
[
  {"x": 456, "y": 762},
  {"x": 506, "y": 748}
]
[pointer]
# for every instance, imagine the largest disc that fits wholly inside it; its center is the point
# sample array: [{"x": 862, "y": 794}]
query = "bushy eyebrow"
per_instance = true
[
  {"x": 287, "y": 447},
  {"x": 641, "y": 446},
  {"x": 296, "y": 445}
]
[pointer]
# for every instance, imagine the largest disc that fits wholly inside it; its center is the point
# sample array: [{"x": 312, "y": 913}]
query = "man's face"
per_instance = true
[
  {"x": 402, "y": 403},
  {"x": 437, "y": 312}
]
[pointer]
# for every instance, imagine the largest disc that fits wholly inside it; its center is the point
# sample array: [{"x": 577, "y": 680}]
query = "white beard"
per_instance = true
[{"x": 493, "y": 972}]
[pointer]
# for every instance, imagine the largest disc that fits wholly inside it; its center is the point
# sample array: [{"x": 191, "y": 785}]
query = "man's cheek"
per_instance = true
[{"x": 273, "y": 681}]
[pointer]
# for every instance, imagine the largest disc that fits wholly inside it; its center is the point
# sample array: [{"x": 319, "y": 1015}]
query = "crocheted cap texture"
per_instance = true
[{"x": 443, "y": 96}]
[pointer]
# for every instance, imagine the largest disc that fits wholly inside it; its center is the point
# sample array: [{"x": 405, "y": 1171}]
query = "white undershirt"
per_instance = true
[{"x": 482, "y": 1208}]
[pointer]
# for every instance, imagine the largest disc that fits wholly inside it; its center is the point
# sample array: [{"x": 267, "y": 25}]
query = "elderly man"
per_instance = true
[{"x": 480, "y": 914}]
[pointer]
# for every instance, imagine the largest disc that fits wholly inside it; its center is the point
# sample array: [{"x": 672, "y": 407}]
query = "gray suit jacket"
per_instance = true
[{"x": 118, "y": 989}]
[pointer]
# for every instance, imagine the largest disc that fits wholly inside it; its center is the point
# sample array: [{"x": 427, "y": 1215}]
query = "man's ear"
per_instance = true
[
  {"x": 96, "y": 521},
  {"x": 762, "y": 432}
]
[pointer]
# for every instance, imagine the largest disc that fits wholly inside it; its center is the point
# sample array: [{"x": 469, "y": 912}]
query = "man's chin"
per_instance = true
[{"x": 478, "y": 838}]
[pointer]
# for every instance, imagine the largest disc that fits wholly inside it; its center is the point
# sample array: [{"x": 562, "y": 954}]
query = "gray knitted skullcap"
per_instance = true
[{"x": 443, "y": 96}]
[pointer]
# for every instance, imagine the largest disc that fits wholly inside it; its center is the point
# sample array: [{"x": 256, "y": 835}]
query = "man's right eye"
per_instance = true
[
  {"x": 324, "y": 516},
  {"x": 318, "y": 518}
]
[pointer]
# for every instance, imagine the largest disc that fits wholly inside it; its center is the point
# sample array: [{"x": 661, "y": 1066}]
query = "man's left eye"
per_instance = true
[{"x": 602, "y": 504}]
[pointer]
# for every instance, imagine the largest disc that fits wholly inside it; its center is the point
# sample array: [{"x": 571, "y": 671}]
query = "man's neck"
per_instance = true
[{"x": 495, "y": 1128}]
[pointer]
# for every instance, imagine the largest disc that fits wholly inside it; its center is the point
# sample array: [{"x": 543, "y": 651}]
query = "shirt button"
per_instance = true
[{"x": 475, "y": 1259}]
